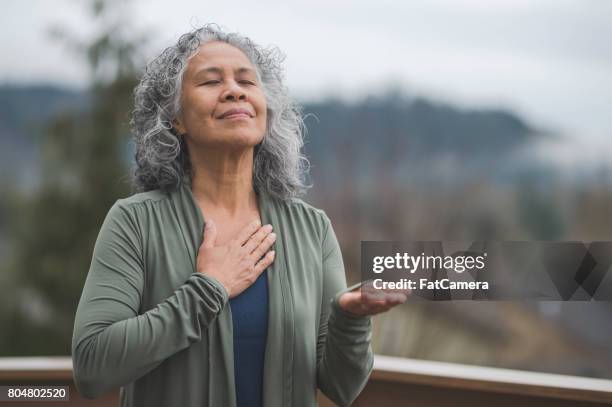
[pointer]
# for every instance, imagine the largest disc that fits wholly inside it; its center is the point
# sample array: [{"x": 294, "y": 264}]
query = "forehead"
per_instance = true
[{"x": 218, "y": 54}]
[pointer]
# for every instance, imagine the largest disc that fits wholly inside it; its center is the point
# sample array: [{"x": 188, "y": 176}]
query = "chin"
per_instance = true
[{"x": 243, "y": 140}]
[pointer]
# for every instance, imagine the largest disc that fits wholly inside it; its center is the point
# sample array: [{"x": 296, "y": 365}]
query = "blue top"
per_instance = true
[{"x": 250, "y": 318}]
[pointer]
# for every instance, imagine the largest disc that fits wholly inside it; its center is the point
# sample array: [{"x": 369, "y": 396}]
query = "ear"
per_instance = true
[{"x": 179, "y": 128}]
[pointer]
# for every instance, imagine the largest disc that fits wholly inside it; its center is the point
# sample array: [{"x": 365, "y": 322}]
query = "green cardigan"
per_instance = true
[{"x": 149, "y": 323}]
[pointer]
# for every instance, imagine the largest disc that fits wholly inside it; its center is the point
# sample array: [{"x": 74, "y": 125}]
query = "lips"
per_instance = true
[{"x": 235, "y": 113}]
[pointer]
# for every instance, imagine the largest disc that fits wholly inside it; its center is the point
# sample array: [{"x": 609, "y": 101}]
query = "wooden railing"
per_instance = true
[{"x": 394, "y": 382}]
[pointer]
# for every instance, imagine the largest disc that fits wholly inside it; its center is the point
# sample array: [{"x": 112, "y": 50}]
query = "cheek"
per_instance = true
[
  {"x": 262, "y": 109},
  {"x": 200, "y": 99},
  {"x": 262, "y": 121},
  {"x": 198, "y": 110},
  {"x": 258, "y": 99}
]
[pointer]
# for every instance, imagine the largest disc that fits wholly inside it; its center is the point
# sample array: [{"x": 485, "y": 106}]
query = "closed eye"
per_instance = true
[{"x": 214, "y": 82}]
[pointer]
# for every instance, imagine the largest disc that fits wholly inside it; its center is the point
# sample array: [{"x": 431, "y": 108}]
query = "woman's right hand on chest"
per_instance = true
[{"x": 239, "y": 262}]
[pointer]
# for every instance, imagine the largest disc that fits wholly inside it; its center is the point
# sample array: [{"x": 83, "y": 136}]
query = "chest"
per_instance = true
[
  {"x": 172, "y": 248},
  {"x": 228, "y": 227}
]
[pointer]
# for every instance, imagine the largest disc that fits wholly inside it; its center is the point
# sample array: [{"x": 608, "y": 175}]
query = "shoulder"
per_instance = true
[
  {"x": 302, "y": 214},
  {"x": 298, "y": 207},
  {"x": 133, "y": 209},
  {"x": 141, "y": 202},
  {"x": 143, "y": 198}
]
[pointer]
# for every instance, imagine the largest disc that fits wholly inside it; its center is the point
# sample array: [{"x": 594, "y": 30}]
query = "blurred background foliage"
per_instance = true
[
  {"x": 83, "y": 169},
  {"x": 388, "y": 167}
]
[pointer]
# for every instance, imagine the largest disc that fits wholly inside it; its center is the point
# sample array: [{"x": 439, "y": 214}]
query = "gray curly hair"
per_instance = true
[{"x": 162, "y": 159}]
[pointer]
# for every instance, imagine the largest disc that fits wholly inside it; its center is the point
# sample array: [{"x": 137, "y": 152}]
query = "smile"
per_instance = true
[{"x": 237, "y": 116}]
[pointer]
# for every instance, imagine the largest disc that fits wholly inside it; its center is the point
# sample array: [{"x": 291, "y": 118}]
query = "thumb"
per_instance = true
[{"x": 210, "y": 234}]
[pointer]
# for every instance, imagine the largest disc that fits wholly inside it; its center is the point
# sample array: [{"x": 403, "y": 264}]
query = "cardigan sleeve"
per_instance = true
[
  {"x": 112, "y": 344},
  {"x": 344, "y": 351}
]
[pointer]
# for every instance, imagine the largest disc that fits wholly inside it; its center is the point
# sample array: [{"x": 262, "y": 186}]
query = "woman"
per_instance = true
[{"x": 185, "y": 303}]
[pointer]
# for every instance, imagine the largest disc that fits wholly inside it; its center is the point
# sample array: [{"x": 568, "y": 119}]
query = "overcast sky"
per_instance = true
[{"x": 548, "y": 60}]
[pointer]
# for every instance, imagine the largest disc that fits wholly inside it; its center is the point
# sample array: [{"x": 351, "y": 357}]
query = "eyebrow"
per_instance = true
[{"x": 216, "y": 69}]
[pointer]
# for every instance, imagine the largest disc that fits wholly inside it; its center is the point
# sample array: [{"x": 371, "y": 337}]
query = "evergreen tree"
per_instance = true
[{"x": 86, "y": 159}]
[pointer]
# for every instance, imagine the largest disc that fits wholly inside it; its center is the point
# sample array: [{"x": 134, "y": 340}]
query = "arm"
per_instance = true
[
  {"x": 112, "y": 345},
  {"x": 344, "y": 353}
]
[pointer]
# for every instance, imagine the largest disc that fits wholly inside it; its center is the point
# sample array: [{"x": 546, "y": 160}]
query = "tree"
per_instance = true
[{"x": 85, "y": 169}]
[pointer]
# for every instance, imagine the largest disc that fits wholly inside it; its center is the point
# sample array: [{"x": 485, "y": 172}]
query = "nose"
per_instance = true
[{"x": 233, "y": 92}]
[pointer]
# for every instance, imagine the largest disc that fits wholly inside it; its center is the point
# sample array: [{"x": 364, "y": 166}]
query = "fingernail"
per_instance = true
[{"x": 273, "y": 235}]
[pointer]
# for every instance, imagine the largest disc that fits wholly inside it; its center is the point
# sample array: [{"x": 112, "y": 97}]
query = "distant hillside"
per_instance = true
[
  {"x": 24, "y": 106},
  {"x": 416, "y": 126},
  {"x": 24, "y": 110},
  {"x": 413, "y": 139},
  {"x": 393, "y": 131}
]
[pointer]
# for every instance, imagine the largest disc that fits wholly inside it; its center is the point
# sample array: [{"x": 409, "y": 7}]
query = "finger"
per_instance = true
[
  {"x": 394, "y": 300},
  {"x": 380, "y": 300},
  {"x": 394, "y": 297},
  {"x": 373, "y": 309},
  {"x": 263, "y": 246},
  {"x": 247, "y": 231},
  {"x": 257, "y": 238},
  {"x": 391, "y": 301},
  {"x": 372, "y": 296},
  {"x": 210, "y": 234},
  {"x": 403, "y": 292},
  {"x": 265, "y": 261}
]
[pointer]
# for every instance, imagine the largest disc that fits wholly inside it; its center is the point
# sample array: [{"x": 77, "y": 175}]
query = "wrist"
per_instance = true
[
  {"x": 220, "y": 283},
  {"x": 346, "y": 306}
]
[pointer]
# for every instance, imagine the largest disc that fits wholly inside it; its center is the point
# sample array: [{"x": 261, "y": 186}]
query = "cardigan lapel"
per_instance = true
[
  {"x": 221, "y": 384},
  {"x": 190, "y": 219},
  {"x": 278, "y": 362}
]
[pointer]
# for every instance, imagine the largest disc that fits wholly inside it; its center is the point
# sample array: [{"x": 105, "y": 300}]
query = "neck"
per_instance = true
[{"x": 223, "y": 179}]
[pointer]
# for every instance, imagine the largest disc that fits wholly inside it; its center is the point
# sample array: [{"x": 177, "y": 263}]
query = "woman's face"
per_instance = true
[{"x": 220, "y": 80}]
